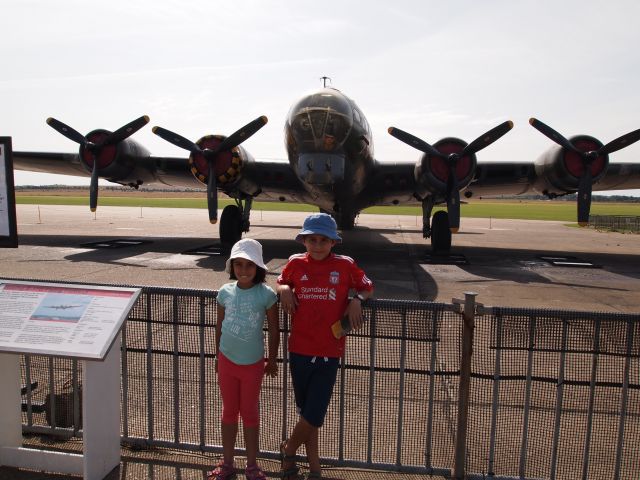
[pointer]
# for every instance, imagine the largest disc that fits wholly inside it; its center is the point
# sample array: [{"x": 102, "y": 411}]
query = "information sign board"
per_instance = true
[
  {"x": 8, "y": 229},
  {"x": 78, "y": 321}
]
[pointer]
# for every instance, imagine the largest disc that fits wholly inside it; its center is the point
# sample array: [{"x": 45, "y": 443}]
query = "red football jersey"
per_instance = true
[{"x": 322, "y": 288}]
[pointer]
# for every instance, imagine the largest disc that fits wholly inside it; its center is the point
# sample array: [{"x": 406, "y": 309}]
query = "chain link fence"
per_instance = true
[
  {"x": 615, "y": 223},
  {"x": 551, "y": 394}
]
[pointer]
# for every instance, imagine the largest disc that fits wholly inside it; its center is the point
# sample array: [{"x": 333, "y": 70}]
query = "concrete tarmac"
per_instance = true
[
  {"x": 503, "y": 257},
  {"x": 504, "y": 266}
]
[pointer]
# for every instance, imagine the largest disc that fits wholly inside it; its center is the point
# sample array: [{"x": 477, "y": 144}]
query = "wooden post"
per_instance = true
[{"x": 464, "y": 386}]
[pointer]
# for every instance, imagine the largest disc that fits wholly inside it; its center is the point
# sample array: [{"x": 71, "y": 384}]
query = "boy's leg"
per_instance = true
[
  {"x": 313, "y": 379},
  {"x": 313, "y": 451},
  {"x": 307, "y": 434},
  {"x": 302, "y": 432}
]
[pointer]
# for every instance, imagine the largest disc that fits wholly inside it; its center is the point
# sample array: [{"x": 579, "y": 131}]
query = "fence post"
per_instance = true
[{"x": 464, "y": 385}]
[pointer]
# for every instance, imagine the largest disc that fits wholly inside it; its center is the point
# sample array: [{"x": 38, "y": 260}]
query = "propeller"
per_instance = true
[
  {"x": 452, "y": 191},
  {"x": 95, "y": 148},
  {"x": 232, "y": 141},
  {"x": 585, "y": 186}
]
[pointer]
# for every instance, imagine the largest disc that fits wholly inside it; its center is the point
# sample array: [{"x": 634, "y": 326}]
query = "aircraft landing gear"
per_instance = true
[
  {"x": 345, "y": 220},
  {"x": 438, "y": 229},
  {"x": 234, "y": 220},
  {"x": 440, "y": 233},
  {"x": 427, "y": 207}
]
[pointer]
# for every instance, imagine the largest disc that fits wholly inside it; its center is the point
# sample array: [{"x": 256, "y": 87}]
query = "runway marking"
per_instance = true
[
  {"x": 207, "y": 250},
  {"x": 567, "y": 261},
  {"x": 178, "y": 259},
  {"x": 119, "y": 243}
]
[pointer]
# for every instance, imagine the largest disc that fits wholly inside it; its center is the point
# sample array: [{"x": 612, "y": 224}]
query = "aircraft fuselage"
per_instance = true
[{"x": 330, "y": 149}]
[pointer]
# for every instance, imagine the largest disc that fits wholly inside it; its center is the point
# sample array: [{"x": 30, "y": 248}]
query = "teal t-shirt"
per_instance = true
[{"x": 242, "y": 339}]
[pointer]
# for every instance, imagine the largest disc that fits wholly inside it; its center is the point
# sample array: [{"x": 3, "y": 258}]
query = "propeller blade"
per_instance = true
[
  {"x": 126, "y": 131},
  {"x": 584, "y": 197},
  {"x": 177, "y": 140},
  {"x": 414, "y": 142},
  {"x": 453, "y": 199},
  {"x": 93, "y": 187},
  {"x": 67, "y": 131},
  {"x": 620, "y": 142},
  {"x": 239, "y": 136},
  {"x": 549, "y": 132},
  {"x": 487, "y": 139},
  {"x": 212, "y": 195}
]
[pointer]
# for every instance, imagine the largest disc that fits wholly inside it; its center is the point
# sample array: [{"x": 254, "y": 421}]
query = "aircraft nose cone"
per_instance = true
[{"x": 321, "y": 121}]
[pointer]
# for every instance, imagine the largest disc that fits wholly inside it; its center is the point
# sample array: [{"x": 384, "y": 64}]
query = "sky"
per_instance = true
[{"x": 432, "y": 68}]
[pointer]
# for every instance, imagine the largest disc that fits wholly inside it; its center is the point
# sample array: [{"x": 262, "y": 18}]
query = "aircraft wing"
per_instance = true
[
  {"x": 271, "y": 180},
  {"x": 519, "y": 178},
  {"x": 391, "y": 184},
  {"x": 395, "y": 183},
  {"x": 46, "y": 162}
]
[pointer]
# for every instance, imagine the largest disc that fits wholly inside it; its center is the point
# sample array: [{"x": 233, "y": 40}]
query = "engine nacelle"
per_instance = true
[
  {"x": 558, "y": 170},
  {"x": 432, "y": 173},
  {"x": 126, "y": 162},
  {"x": 228, "y": 167}
]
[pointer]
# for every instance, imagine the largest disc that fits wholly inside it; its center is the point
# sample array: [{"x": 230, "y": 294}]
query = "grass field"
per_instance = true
[{"x": 525, "y": 210}]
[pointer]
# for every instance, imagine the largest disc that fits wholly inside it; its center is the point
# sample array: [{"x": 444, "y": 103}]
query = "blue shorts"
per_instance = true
[{"x": 313, "y": 380}]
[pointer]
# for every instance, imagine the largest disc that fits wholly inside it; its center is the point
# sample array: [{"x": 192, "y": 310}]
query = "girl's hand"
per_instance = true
[
  {"x": 271, "y": 368},
  {"x": 288, "y": 300}
]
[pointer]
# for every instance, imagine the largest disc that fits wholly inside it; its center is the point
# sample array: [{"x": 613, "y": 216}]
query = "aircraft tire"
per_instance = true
[
  {"x": 230, "y": 225},
  {"x": 440, "y": 233}
]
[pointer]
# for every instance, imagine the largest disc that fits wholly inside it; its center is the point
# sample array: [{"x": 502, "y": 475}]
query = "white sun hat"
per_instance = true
[{"x": 249, "y": 249}]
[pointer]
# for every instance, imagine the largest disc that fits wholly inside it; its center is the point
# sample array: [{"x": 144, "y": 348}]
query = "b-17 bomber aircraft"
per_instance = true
[{"x": 332, "y": 165}]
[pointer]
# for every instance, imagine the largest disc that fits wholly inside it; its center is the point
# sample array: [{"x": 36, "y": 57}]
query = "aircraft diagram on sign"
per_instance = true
[
  {"x": 331, "y": 164},
  {"x": 62, "y": 307}
]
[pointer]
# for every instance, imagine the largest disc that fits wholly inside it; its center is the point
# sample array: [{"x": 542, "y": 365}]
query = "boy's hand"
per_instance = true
[
  {"x": 288, "y": 300},
  {"x": 271, "y": 368},
  {"x": 354, "y": 312}
]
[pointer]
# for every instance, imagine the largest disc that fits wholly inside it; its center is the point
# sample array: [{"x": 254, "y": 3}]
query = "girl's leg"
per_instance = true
[
  {"x": 251, "y": 382},
  {"x": 230, "y": 391},
  {"x": 229, "y": 434},
  {"x": 251, "y": 436}
]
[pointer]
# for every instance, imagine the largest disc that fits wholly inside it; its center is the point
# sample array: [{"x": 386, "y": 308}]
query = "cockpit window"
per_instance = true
[
  {"x": 318, "y": 121},
  {"x": 356, "y": 115},
  {"x": 321, "y": 121}
]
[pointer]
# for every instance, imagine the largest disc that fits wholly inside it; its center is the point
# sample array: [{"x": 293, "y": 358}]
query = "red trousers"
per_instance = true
[{"x": 240, "y": 390}]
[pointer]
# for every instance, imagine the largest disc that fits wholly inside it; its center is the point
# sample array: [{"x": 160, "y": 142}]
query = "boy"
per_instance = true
[{"x": 314, "y": 289}]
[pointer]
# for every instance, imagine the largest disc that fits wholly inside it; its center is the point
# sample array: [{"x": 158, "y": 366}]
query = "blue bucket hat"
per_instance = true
[{"x": 319, "y": 224}]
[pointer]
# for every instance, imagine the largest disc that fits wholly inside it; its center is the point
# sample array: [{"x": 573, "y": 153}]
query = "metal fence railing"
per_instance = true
[
  {"x": 555, "y": 394},
  {"x": 616, "y": 223},
  {"x": 551, "y": 394}
]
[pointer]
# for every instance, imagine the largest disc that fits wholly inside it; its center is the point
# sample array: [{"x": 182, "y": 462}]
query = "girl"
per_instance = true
[{"x": 240, "y": 363}]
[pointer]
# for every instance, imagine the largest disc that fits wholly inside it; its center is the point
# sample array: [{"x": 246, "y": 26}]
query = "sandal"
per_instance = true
[
  {"x": 223, "y": 471},
  {"x": 254, "y": 472},
  {"x": 290, "y": 473}
]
